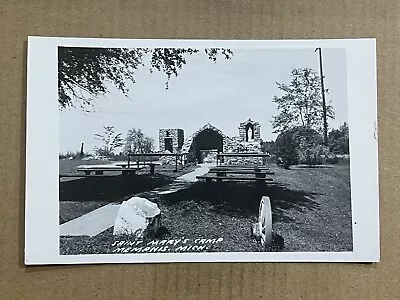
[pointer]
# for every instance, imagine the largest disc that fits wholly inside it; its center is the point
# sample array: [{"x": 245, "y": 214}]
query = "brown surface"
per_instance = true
[{"x": 221, "y": 19}]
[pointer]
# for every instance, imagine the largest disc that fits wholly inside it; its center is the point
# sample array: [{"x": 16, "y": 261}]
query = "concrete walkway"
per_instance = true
[
  {"x": 184, "y": 181},
  {"x": 103, "y": 218},
  {"x": 92, "y": 223},
  {"x": 191, "y": 177}
]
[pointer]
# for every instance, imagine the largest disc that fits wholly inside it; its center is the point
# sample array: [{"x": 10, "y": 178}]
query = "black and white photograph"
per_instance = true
[{"x": 204, "y": 149}]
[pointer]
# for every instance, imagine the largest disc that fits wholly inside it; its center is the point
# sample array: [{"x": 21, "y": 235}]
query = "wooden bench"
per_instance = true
[
  {"x": 100, "y": 170},
  {"x": 236, "y": 178},
  {"x": 243, "y": 166},
  {"x": 124, "y": 165},
  {"x": 258, "y": 174},
  {"x": 152, "y": 165},
  {"x": 249, "y": 169}
]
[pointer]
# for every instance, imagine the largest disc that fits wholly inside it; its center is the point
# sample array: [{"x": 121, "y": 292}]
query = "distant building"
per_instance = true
[{"x": 171, "y": 140}]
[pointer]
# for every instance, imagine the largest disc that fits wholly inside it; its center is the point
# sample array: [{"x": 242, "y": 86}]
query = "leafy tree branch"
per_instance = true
[
  {"x": 84, "y": 72},
  {"x": 301, "y": 102}
]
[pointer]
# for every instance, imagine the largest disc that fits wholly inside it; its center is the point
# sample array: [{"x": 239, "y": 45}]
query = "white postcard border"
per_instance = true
[{"x": 42, "y": 131}]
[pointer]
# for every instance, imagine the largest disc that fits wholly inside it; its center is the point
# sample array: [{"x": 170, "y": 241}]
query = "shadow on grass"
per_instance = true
[
  {"x": 243, "y": 199},
  {"x": 112, "y": 189},
  {"x": 284, "y": 199}
]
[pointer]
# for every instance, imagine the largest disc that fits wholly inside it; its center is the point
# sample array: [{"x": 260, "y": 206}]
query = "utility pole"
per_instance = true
[
  {"x": 323, "y": 97},
  {"x": 82, "y": 153}
]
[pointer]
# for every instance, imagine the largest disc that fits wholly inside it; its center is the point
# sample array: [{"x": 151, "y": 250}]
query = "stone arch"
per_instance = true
[{"x": 207, "y": 137}]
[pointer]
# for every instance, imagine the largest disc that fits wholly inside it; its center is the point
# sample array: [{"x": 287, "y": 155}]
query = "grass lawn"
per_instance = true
[
  {"x": 315, "y": 214},
  {"x": 80, "y": 196},
  {"x": 69, "y": 166},
  {"x": 311, "y": 211}
]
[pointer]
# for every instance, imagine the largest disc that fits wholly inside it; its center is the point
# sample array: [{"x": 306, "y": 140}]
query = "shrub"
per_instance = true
[
  {"x": 301, "y": 145},
  {"x": 314, "y": 154},
  {"x": 286, "y": 149},
  {"x": 310, "y": 150}
]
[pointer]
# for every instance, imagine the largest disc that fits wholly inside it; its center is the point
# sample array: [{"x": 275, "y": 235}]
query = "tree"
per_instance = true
[
  {"x": 84, "y": 72},
  {"x": 301, "y": 103},
  {"x": 137, "y": 142},
  {"x": 268, "y": 147},
  {"x": 310, "y": 146},
  {"x": 110, "y": 141},
  {"x": 339, "y": 140}
]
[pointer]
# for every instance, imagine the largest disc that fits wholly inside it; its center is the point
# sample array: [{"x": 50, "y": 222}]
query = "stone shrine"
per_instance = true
[
  {"x": 170, "y": 140},
  {"x": 211, "y": 140},
  {"x": 249, "y": 131}
]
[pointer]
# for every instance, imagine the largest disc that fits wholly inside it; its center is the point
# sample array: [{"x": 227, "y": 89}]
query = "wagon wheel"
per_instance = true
[{"x": 265, "y": 221}]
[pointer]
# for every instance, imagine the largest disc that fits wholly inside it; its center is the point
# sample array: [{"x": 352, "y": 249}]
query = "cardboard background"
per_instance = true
[{"x": 221, "y": 19}]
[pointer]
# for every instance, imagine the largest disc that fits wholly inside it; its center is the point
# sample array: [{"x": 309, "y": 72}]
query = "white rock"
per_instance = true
[{"x": 137, "y": 216}]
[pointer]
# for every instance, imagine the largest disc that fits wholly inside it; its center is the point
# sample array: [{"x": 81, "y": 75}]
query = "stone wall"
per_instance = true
[
  {"x": 167, "y": 160},
  {"x": 176, "y": 135},
  {"x": 226, "y": 142},
  {"x": 236, "y": 145}
]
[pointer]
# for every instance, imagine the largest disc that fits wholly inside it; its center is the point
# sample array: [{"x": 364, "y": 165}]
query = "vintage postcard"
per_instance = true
[{"x": 201, "y": 151}]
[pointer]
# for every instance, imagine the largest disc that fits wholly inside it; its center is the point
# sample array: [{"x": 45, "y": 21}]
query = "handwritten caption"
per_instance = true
[{"x": 164, "y": 246}]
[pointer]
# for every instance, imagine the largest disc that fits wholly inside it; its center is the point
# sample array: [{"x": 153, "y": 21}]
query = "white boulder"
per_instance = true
[{"x": 137, "y": 216}]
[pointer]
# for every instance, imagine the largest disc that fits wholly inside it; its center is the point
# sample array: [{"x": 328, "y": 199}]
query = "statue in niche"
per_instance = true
[{"x": 250, "y": 135}]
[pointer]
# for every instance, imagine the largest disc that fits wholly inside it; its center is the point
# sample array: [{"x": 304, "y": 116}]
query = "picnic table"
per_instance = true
[
  {"x": 241, "y": 167},
  {"x": 234, "y": 178},
  {"x": 230, "y": 172},
  {"x": 152, "y": 164},
  {"x": 142, "y": 163},
  {"x": 225, "y": 171},
  {"x": 99, "y": 170},
  {"x": 222, "y": 173}
]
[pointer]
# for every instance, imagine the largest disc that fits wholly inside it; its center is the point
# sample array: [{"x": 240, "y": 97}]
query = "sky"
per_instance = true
[{"x": 223, "y": 93}]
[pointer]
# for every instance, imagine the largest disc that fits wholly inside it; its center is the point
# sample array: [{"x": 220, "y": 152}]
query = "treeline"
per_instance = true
[{"x": 135, "y": 141}]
